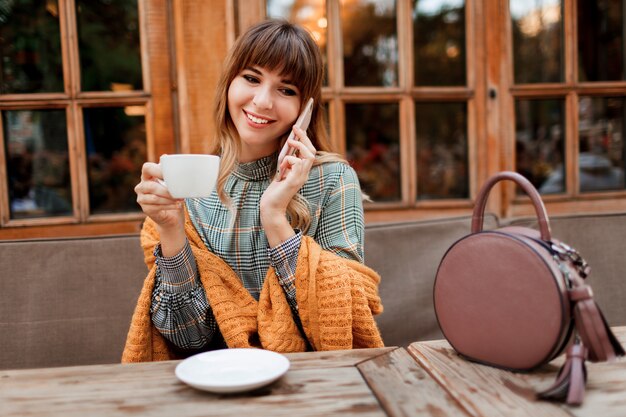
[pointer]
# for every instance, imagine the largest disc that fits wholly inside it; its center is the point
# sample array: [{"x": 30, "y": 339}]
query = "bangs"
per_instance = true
[{"x": 283, "y": 50}]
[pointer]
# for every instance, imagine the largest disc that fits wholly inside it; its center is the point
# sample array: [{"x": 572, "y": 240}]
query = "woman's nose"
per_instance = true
[{"x": 263, "y": 98}]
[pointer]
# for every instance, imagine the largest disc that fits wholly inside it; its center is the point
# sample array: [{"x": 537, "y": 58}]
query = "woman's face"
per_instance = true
[{"x": 263, "y": 106}]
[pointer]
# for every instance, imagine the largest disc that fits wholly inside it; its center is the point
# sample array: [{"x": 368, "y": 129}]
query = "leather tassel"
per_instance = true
[
  {"x": 571, "y": 379},
  {"x": 615, "y": 344},
  {"x": 592, "y": 327}
]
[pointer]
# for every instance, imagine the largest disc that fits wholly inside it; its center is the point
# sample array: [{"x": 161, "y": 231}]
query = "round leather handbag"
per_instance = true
[{"x": 515, "y": 298}]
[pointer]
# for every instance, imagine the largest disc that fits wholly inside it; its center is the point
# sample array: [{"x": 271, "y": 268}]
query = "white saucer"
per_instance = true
[{"x": 232, "y": 370}]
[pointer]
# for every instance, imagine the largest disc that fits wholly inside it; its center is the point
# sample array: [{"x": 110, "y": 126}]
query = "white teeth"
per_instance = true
[{"x": 256, "y": 119}]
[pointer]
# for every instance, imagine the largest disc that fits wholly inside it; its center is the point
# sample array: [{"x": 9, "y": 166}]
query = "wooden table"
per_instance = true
[
  {"x": 484, "y": 391},
  {"x": 365, "y": 382},
  {"x": 429, "y": 379}
]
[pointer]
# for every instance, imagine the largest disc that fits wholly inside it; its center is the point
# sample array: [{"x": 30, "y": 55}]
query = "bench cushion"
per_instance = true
[
  {"x": 67, "y": 301},
  {"x": 407, "y": 255}
]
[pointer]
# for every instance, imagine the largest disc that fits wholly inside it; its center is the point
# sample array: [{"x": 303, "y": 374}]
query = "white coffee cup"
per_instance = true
[{"x": 190, "y": 175}]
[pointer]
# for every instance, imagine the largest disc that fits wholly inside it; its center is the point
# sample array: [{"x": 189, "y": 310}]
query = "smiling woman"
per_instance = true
[{"x": 223, "y": 268}]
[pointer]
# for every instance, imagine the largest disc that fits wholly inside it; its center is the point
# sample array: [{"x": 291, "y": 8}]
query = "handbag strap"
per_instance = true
[{"x": 481, "y": 202}]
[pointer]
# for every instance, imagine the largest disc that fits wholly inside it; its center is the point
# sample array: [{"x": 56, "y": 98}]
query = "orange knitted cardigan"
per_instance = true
[{"x": 337, "y": 299}]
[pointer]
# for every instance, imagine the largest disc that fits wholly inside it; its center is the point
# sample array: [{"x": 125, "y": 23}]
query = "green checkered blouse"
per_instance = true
[{"x": 179, "y": 306}]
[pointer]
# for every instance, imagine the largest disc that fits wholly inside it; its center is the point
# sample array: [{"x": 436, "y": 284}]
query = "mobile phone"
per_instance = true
[{"x": 303, "y": 123}]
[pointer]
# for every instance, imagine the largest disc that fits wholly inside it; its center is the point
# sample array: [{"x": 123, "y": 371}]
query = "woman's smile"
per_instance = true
[{"x": 257, "y": 120}]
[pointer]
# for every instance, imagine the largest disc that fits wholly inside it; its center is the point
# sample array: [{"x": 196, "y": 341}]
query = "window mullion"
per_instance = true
[
  {"x": 408, "y": 154},
  {"x": 339, "y": 125},
  {"x": 64, "y": 26},
  {"x": 75, "y": 136},
  {"x": 570, "y": 49},
  {"x": 335, "y": 76},
  {"x": 335, "y": 49},
  {"x": 143, "y": 45},
  {"x": 4, "y": 191},
  {"x": 76, "y": 158},
  {"x": 69, "y": 44},
  {"x": 80, "y": 182},
  {"x": 571, "y": 145},
  {"x": 404, "y": 19},
  {"x": 476, "y": 105},
  {"x": 571, "y": 100}
]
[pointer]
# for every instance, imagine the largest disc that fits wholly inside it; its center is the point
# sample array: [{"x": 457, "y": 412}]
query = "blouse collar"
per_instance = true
[{"x": 258, "y": 170}]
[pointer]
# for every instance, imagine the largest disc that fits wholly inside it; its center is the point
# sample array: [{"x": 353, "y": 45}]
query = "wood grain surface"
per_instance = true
[
  {"x": 405, "y": 389},
  {"x": 431, "y": 379},
  {"x": 486, "y": 391},
  {"x": 317, "y": 384}
]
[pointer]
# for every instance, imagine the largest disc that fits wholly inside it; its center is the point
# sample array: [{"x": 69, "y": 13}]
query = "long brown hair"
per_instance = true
[{"x": 280, "y": 46}]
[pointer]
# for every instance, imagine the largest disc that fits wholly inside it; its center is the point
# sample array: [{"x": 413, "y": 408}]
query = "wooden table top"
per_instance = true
[
  {"x": 429, "y": 379},
  {"x": 482, "y": 391},
  {"x": 364, "y": 382}
]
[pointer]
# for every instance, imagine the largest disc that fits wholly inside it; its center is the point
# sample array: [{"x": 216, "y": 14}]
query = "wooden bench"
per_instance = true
[{"x": 69, "y": 301}]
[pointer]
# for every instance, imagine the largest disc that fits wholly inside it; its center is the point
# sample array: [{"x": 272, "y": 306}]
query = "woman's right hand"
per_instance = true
[{"x": 156, "y": 202}]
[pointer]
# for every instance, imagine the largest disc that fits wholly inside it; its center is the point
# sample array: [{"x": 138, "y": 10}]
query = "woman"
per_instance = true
[{"x": 271, "y": 261}]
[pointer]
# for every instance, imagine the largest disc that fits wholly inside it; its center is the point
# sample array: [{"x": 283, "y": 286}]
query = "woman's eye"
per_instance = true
[
  {"x": 251, "y": 78},
  {"x": 288, "y": 92}
]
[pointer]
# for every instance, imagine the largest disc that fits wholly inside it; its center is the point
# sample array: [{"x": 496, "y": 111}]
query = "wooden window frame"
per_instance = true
[
  {"x": 178, "y": 87},
  {"x": 571, "y": 201},
  {"x": 490, "y": 95},
  {"x": 158, "y": 74},
  {"x": 473, "y": 93}
]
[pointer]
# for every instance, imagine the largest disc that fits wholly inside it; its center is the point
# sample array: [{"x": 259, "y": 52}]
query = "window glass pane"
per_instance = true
[
  {"x": 602, "y": 152},
  {"x": 38, "y": 167},
  {"x": 439, "y": 42},
  {"x": 442, "y": 164},
  {"x": 540, "y": 144},
  {"x": 30, "y": 45},
  {"x": 370, "y": 43},
  {"x": 309, "y": 13},
  {"x": 373, "y": 148},
  {"x": 601, "y": 40},
  {"x": 537, "y": 40},
  {"x": 116, "y": 149},
  {"x": 108, "y": 41}
]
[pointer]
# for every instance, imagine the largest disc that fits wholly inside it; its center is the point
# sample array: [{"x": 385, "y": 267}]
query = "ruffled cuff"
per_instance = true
[
  {"x": 284, "y": 258},
  {"x": 178, "y": 272}
]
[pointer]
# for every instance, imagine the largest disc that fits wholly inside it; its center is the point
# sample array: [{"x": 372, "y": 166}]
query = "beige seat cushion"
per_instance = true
[{"x": 67, "y": 301}]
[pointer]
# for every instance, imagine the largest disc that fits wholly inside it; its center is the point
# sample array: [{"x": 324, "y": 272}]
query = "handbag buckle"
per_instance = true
[{"x": 568, "y": 253}]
